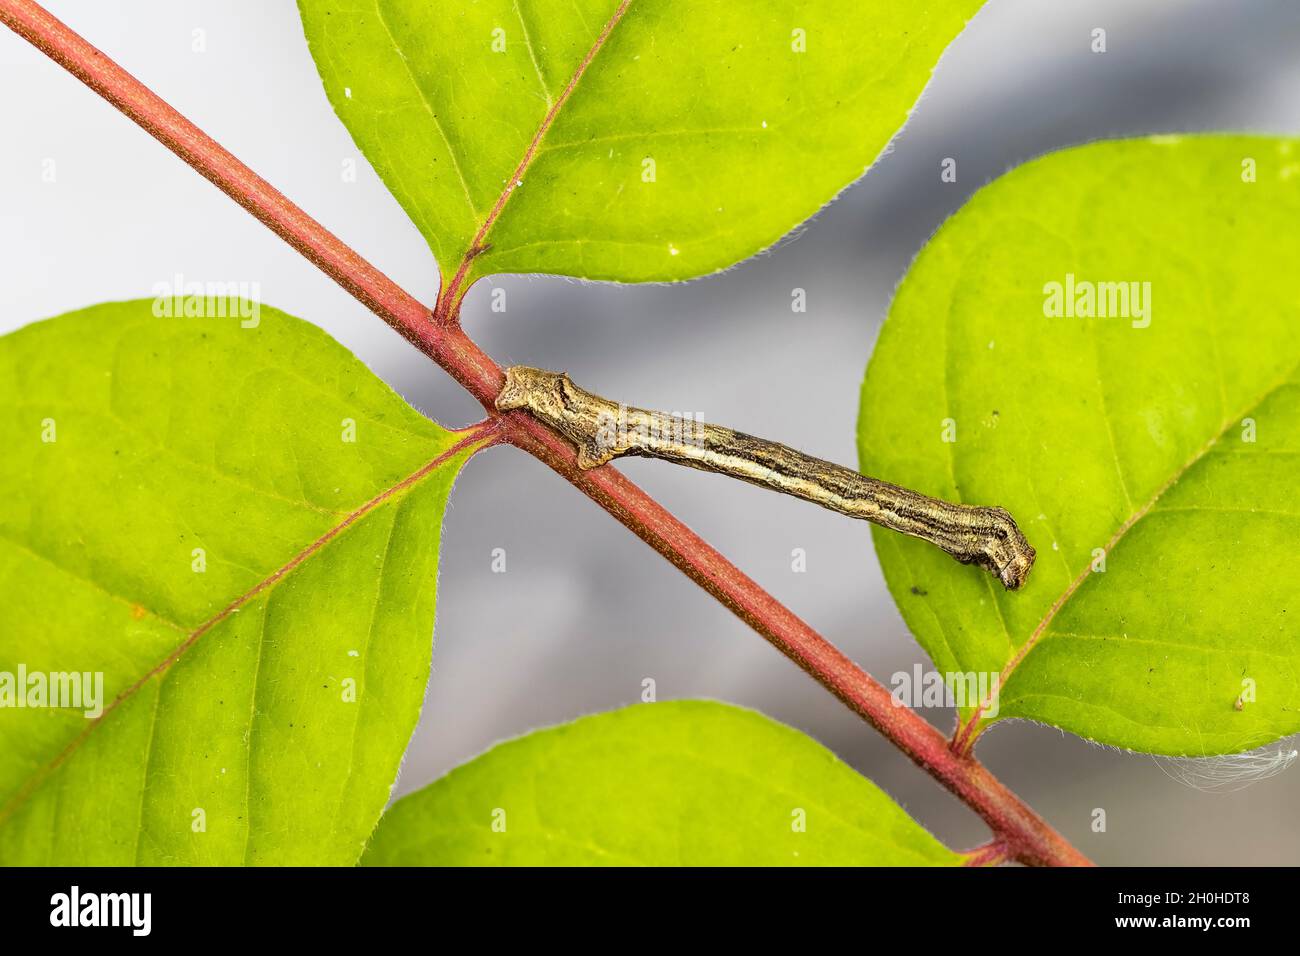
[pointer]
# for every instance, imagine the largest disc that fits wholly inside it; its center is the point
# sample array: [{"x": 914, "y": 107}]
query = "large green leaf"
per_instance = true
[
  {"x": 232, "y": 740},
  {"x": 1104, "y": 437},
  {"x": 681, "y": 783},
  {"x": 523, "y": 127}
]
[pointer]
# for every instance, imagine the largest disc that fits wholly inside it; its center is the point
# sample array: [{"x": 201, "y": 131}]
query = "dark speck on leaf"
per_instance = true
[{"x": 919, "y": 591}]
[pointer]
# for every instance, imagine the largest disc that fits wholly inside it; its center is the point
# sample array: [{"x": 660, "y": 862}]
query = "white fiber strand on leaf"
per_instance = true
[{"x": 1229, "y": 773}]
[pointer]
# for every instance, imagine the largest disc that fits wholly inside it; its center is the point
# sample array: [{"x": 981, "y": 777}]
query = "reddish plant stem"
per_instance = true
[
  {"x": 1021, "y": 833},
  {"x": 992, "y": 853}
]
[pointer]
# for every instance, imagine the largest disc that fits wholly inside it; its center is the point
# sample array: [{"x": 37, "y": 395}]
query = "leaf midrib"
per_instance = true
[
  {"x": 1040, "y": 631},
  {"x": 33, "y": 783},
  {"x": 449, "y": 298}
]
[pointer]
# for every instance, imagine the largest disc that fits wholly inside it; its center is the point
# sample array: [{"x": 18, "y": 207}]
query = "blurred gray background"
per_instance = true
[{"x": 561, "y": 634}]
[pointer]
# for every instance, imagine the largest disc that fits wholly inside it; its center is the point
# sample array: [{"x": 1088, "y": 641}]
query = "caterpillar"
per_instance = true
[{"x": 601, "y": 430}]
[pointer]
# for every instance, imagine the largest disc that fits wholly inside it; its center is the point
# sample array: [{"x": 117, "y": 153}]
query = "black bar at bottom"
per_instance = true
[{"x": 932, "y": 908}]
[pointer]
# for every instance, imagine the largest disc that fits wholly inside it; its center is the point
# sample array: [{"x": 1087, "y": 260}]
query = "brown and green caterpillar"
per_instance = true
[{"x": 602, "y": 430}]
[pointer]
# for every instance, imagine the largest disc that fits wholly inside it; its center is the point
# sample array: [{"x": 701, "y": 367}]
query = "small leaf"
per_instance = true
[
  {"x": 683, "y": 783},
  {"x": 237, "y": 527},
  {"x": 632, "y": 141},
  {"x": 1150, "y": 456}
]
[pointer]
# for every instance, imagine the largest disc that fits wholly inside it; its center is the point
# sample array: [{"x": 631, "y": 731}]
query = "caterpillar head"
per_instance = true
[{"x": 1008, "y": 554}]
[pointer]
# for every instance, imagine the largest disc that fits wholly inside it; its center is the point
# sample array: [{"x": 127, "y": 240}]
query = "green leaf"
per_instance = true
[
  {"x": 515, "y": 133},
  {"x": 131, "y": 441},
  {"x": 683, "y": 783},
  {"x": 1108, "y": 439}
]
